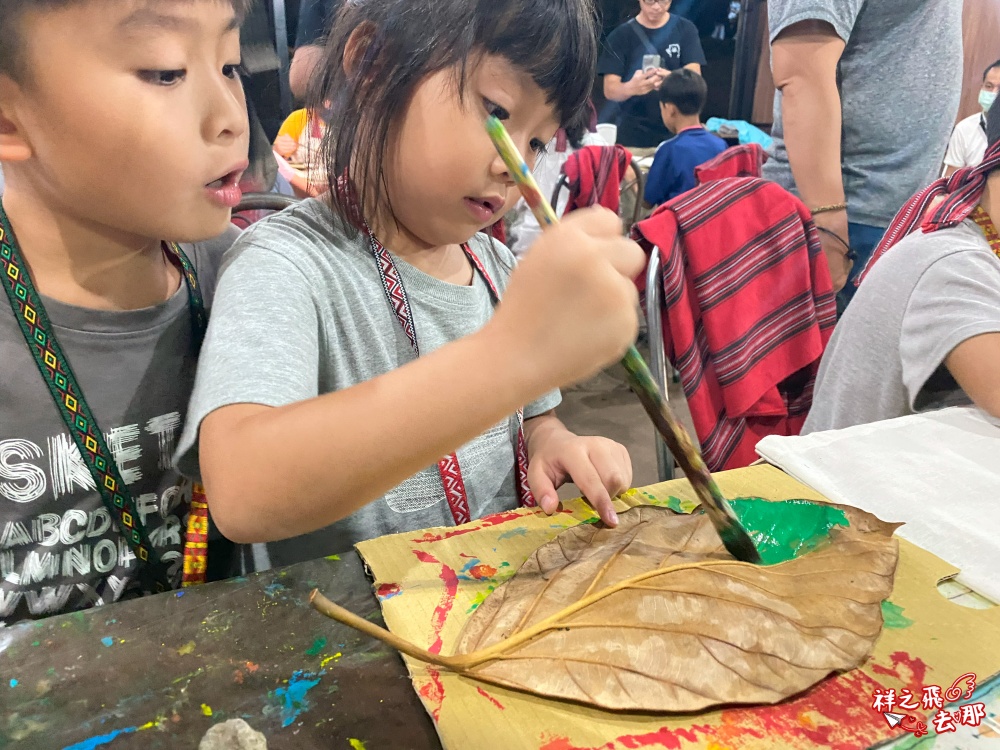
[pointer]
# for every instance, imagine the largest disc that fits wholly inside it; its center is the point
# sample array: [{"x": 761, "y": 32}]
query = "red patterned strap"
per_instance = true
[
  {"x": 196, "y": 540},
  {"x": 448, "y": 467}
]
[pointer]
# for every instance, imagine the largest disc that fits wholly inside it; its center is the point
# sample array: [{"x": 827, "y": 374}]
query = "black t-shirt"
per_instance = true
[
  {"x": 315, "y": 18},
  {"x": 677, "y": 44}
]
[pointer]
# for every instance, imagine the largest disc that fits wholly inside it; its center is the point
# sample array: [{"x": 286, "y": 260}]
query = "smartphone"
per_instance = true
[{"x": 650, "y": 62}]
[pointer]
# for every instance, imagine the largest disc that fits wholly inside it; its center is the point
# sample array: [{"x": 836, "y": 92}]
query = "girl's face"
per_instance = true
[{"x": 444, "y": 179}]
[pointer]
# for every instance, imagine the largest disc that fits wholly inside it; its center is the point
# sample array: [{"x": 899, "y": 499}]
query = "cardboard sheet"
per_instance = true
[
  {"x": 430, "y": 582},
  {"x": 939, "y": 472}
]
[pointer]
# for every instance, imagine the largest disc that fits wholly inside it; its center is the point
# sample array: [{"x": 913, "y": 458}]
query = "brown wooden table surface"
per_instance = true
[{"x": 158, "y": 672}]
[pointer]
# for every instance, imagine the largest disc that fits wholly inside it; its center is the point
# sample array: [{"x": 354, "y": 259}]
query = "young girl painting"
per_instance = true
[{"x": 360, "y": 375}]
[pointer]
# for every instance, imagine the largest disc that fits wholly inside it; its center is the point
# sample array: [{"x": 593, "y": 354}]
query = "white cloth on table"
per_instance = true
[{"x": 939, "y": 472}]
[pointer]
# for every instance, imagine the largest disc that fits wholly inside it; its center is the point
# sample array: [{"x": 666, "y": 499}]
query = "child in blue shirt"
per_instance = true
[{"x": 682, "y": 97}]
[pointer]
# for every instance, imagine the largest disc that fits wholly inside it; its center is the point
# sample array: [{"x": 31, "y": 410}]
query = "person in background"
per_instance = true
[
  {"x": 682, "y": 97},
  {"x": 861, "y": 117},
  {"x": 968, "y": 140},
  {"x": 314, "y": 21},
  {"x": 923, "y": 331},
  {"x": 638, "y": 56},
  {"x": 522, "y": 226}
]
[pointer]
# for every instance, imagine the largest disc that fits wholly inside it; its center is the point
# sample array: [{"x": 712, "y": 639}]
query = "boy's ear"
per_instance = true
[
  {"x": 357, "y": 45},
  {"x": 14, "y": 145}
]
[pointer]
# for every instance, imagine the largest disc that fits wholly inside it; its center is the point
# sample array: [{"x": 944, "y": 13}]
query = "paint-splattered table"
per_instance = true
[{"x": 157, "y": 672}]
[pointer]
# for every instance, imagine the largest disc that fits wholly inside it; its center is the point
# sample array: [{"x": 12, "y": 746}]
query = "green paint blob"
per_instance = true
[
  {"x": 785, "y": 529},
  {"x": 318, "y": 645},
  {"x": 893, "y": 617}
]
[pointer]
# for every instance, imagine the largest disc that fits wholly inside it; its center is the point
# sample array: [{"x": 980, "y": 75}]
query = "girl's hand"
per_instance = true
[
  {"x": 286, "y": 145},
  {"x": 601, "y": 468},
  {"x": 571, "y": 306}
]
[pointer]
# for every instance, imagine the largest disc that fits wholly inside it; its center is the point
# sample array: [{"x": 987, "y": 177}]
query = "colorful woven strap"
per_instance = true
[
  {"x": 448, "y": 467},
  {"x": 55, "y": 369},
  {"x": 196, "y": 540},
  {"x": 985, "y": 223}
]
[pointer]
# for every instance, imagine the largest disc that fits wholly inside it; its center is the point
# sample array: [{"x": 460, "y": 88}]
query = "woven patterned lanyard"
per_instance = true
[
  {"x": 448, "y": 468},
  {"x": 985, "y": 223},
  {"x": 62, "y": 384}
]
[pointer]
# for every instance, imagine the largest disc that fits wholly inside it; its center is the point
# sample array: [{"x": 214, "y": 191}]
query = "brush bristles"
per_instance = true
[{"x": 739, "y": 544}]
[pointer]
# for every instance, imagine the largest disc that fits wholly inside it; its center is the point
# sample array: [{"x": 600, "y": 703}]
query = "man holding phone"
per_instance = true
[{"x": 636, "y": 58}]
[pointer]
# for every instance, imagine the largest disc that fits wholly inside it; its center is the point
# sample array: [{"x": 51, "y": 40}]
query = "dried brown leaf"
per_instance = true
[{"x": 655, "y": 615}]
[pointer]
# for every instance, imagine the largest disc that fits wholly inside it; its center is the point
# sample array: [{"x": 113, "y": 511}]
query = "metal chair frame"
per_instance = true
[
  {"x": 638, "y": 182},
  {"x": 657, "y": 354}
]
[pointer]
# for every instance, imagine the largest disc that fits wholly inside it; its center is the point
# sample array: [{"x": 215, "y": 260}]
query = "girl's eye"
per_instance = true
[
  {"x": 538, "y": 147},
  {"x": 496, "y": 110},
  {"x": 233, "y": 71},
  {"x": 162, "y": 77}
]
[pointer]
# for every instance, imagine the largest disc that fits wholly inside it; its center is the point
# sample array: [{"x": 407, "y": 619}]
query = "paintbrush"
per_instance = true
[{"x": 734, "y": 537}]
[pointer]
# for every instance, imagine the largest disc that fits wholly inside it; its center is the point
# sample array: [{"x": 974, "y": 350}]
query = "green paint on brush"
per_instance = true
[
  {"x": 785, "y": 529},
  {"x": 893, "y": 617}
]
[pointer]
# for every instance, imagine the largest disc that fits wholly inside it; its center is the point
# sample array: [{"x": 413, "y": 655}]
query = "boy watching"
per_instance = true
[
  {"x": 123, "y": 130},
  {"x": 682, "y": 98}
]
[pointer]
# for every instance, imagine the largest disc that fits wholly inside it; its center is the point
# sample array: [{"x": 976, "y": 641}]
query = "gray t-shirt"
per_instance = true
[
  {"x": 900, "y": 80},
  {"x": 60, "y": 549},
  {"x": 300, "y": 311},
  {"x": 886, "y": 357}
]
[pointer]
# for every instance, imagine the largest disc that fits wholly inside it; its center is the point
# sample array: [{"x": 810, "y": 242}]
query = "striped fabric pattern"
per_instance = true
[{"x": 748, "y": 310}]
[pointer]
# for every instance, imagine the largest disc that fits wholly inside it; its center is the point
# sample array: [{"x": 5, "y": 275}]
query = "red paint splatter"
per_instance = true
[
  {"x": 485, "y": 522},
  {"x": 836, "y": 714},
  {"x": 433, "y": 692},
  {"x": 251, "y": 667},
  {"x": 238, "y": 677},
  {"x": 387, "y": 590},
  {"x": 913, "y": 672},
  {"x": 490, "y": 698},
  {"x": 479, "y": 572},
  {"x": 662, "y": 738}
]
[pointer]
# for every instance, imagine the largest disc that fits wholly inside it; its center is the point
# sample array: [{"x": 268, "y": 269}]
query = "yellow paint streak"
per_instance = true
[
  {"x": 206, "y": 710},
  {"x": 357, "y": 744},
  {"x": 187, "y": 648},
  {"x": 328, "y": 659}
]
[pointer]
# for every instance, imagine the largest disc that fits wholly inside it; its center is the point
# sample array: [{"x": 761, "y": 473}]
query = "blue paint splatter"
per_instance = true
[
  {"x": 470, "y": 565},
  {"x": 104, "y": 739},
  {"x": 13, "y": 683},
  {"x": 519, "y": 531},
  {"x": 293, "y": 697},
  {"x": 273, "y": 589},
  {"x": 108, "y": 641},
  {"x": 180, "y": 594}
]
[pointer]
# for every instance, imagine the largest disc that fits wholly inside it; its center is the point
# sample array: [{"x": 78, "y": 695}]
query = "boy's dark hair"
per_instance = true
[
  {"x": 686, "y": 90},
  {"x": 987, "y": 71},
  {"x": 404, "y": 41},
  {"x": 11, "y": 44},
  {"x": 993, "y": 123}
]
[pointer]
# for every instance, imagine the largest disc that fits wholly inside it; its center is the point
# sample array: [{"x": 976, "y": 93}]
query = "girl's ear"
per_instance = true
[
  {"x": 358, "y": 43},
  {"x": 14, "y": 145}
]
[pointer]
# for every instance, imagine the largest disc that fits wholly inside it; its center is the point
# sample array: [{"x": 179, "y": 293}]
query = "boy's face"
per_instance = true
[{"x": 129, "y": 113}]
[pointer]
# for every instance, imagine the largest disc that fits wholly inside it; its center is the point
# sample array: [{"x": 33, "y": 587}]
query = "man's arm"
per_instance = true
[
  {"x": 639, "y": 84},
  {"x": 804, "y": 60},
  {"x": 975, "y": 365}
]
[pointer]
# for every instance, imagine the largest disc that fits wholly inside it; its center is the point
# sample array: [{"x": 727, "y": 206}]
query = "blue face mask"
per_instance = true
[{"x": 986, "y": 99}]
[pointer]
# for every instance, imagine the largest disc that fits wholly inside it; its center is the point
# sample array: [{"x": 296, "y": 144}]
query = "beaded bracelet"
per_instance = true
[{"x": 828, "y": 209}]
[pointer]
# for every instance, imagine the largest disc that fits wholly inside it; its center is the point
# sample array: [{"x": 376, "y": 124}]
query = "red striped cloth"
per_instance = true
[
  {"x": 746, "y": 160},
  {"x": 594, "y": 175},
  {"x": 748, "y": 310},
  {"x": 944, "y": 203}
]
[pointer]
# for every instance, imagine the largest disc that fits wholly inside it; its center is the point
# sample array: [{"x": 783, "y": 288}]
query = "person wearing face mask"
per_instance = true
[{"x": 968, "y": 140}]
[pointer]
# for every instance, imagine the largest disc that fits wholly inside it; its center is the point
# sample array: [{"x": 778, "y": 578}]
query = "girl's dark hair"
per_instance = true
[
  {"x": 404, "y": 41},
  {"x": 993, "y": 123}
]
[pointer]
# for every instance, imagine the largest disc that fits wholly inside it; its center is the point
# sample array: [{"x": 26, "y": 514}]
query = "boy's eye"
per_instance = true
[
  {"x": 162, "y": 77},
  {"x": 233, "y": 71},
  {"x": 496, "y": 110}
]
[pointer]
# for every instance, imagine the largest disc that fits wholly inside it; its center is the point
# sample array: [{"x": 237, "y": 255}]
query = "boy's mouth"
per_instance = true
[{"x": 226, "y": 189}]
